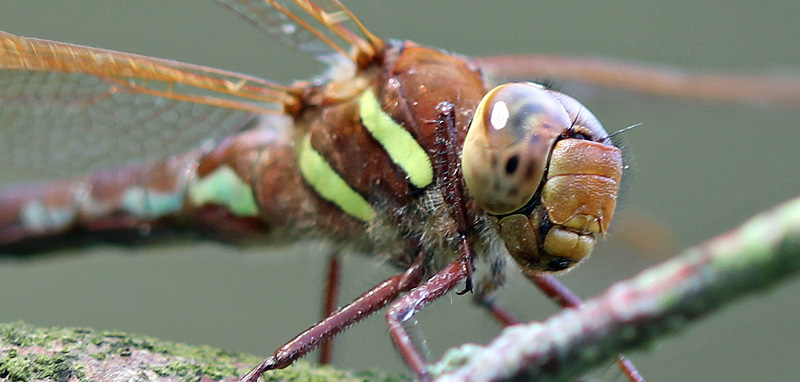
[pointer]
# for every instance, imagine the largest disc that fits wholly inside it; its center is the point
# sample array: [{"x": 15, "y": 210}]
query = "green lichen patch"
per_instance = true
[
  {"x": 24, "y": 335},
  {"x": 58, "y": 367},
  {"x": 84, "y": 355}
]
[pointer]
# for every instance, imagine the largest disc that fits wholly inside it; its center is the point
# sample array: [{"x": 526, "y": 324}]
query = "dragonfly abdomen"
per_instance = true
[{"x": 135, "y": 198}]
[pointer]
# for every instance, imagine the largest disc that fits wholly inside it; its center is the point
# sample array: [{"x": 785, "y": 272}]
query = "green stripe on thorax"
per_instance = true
[
  {"x": 224, "y": 187},
  {"x": 401, "y": 146},
  {"x": 328, "y": 184}
]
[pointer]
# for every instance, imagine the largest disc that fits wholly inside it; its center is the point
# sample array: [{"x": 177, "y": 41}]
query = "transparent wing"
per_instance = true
[
  {"x": 66, "y": 108},
  {"x": 321, "y": 27},
  {"x": 779, "y": 89}
]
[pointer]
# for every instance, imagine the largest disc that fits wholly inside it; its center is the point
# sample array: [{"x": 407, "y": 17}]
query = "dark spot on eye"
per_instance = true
[
  {"x": 494, "y": 161},
  {"x": 513, "y": 191},
  {"x": 578, "y": 136},
  {"x": 558, "y": 264},
  {"x": 512, "y": 164},
  {"x": 496, "y": 186}
]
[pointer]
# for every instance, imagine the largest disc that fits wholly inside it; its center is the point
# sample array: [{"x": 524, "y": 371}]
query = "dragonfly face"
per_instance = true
[{"x": 543, "y": 164}]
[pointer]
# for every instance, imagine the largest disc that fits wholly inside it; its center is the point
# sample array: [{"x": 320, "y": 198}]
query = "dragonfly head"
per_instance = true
[{"x": 541, "y": 163}]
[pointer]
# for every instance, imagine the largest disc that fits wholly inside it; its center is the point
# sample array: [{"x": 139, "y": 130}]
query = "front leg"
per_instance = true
[
  {"x": 448, "y": 169},
  {"x": 404, "y": 309}
]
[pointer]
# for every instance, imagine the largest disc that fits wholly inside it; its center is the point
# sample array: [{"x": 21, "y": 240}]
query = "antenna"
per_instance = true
[{"x": 631, "y": 127}]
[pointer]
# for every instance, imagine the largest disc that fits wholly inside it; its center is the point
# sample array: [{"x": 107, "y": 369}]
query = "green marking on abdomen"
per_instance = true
[
  {"x": 37, "y": 216},
  {"x": 145, "y": 204},
  {"x": 401, "y": 146},
  {"x": 225, "y": 188},
  {"x": 329, "y": 185}
]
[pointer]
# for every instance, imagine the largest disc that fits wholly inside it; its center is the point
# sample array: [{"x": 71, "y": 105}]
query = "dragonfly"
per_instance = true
[{"x": 240, "y": 83}]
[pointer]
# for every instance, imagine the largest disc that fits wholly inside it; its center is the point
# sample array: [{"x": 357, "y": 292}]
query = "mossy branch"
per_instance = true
[
  {"x": 29, "y": 353},
  {"x": 633, "y": 313}
]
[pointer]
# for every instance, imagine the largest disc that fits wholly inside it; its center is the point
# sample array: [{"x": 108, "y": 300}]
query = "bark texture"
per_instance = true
[{"x": 29, "y": 353}]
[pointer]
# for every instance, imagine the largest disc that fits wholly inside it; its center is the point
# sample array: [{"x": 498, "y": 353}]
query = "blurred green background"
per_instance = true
[{"x": 698, "y": 169}]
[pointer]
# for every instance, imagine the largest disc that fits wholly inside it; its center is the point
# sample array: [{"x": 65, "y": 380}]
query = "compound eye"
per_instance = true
[{"x": 508, "y": 145}]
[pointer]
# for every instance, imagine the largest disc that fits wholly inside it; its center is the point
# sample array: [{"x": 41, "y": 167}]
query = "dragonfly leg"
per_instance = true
[
  {"x": 353, "y": 312},
  {"x": 562, "y": 296},
  {"x": 448, "y": 165},
  {"x": 404, "y": 309},
  {"x": 484, "y": 297},
  {"x": 331, "y": 302},
  {"x": 557, "y": 291}
]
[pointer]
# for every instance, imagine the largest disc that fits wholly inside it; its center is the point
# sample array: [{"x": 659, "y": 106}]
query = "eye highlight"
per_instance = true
[
  {"x": 499, "y": 115},
  {"x": 508, "y": 145}
]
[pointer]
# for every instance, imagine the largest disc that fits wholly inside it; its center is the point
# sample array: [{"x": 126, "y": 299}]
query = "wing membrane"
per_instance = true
[
  {"x": 322, "y": 27},
  {"x": 67, "y": 108},
  {"x": 779, "y": 89}
]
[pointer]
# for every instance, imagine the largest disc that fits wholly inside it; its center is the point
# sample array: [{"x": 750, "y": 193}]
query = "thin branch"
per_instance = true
[{"x": 633, "y": 313}]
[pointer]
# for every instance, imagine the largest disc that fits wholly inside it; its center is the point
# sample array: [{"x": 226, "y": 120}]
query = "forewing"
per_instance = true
[
  {"x": 778, "y": 89},
  {"x": 67, "y": 109},
  {"x": 322, "y": 27}
]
